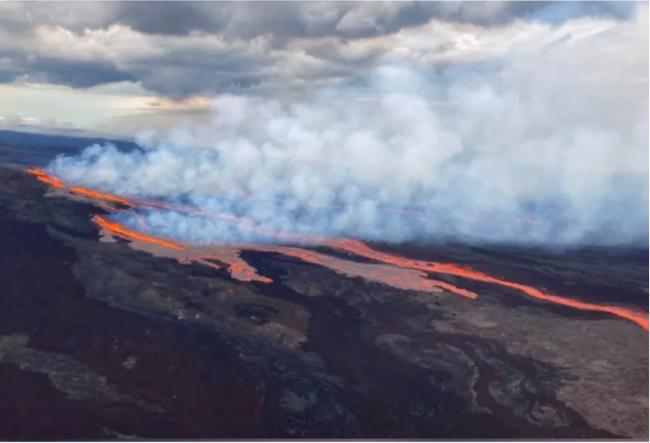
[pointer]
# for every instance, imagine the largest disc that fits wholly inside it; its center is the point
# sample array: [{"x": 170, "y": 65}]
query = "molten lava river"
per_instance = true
[{"x": 381, "y": 267}]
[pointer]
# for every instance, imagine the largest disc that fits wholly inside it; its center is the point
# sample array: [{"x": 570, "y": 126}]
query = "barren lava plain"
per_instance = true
[{"x": 101, "y": 339}]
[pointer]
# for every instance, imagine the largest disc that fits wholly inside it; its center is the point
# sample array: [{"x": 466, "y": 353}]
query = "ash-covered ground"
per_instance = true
[{"x": 100, "y": 340}]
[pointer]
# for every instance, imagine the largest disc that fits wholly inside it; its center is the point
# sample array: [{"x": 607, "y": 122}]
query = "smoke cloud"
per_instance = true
[{"x": 548, "y": 146}]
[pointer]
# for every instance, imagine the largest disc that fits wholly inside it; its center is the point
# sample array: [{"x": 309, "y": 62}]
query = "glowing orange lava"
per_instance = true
[
  {"x": 99, "y": 195},
  {"x": 118, "y": 229},
  {"x": 242, "y": 271},
  {"x": 389, "y": 275},
  {"x": 395, "y": 271},
  {"x": 53, "y": 181},
  {"x": 44, "y": 177},
  {"x": 361, "y": 249}
]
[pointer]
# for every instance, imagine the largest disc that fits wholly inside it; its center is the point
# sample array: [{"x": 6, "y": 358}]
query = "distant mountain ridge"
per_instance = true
[{"x": 38, "y": 149}]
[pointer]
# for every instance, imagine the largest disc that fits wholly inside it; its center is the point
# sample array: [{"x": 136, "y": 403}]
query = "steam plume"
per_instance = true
[{"x": 546, "y": 147}]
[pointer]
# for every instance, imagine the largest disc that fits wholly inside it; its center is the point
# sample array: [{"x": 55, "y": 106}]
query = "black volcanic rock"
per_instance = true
[{"x": 99, "y": 340}]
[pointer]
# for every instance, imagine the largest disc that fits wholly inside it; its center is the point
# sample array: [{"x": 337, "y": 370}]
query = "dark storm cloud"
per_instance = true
[
  {"x": 181, "y": 81},
  {"x": 171, "y": 17},
  {"x": 200, "y": 47},
  {"x": 78, "y": 74},
  {"x": 349, "y": 19}
]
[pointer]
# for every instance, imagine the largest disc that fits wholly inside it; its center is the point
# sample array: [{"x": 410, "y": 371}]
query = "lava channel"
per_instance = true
[
  {"x": 363, "y": 250},
  {"x": 117, "y": 228},
  {"x": 55, "y": 182},
  {"x": 241, "y": 270}
]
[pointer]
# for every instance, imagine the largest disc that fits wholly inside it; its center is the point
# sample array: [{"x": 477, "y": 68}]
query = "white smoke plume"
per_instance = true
[{"x": 545, "y": 147}]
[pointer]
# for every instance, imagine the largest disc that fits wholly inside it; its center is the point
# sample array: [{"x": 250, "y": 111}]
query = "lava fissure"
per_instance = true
[
  {"x": 390, "y": 269},
  {"x": 359, "y": 248},
  {"x": 117, "y": 228},
  {"x": 55, "y": 182}
]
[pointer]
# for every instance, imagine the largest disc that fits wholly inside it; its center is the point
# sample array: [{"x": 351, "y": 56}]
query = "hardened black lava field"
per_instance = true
[{"x": 102, "y": 340}]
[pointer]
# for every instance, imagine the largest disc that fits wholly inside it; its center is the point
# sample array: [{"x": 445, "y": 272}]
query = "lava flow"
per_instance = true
[
  {"x": 392, "y": 275},
  {"x": 391, "y": 270},
  {"x": 55, "y": 182},
  {"x": 120, "y": 230},
  {"x": 44, "y": 177},
  {"x": 99, "y": 195},
  {"x": 229, "y": 255},
  {"x": 396, "y": 277},
  {"x": 361, "y": 249}
]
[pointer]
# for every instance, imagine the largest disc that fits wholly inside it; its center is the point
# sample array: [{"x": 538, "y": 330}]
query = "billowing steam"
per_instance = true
[{"x": 544, "y": 147}]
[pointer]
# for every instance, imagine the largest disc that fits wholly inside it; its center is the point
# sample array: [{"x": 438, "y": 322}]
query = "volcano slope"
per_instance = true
[{"x": 102, "y": 336}]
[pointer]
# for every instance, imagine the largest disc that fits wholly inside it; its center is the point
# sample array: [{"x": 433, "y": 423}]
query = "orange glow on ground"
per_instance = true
[
  {"x": 99, "y": 195},
  {"x": 44, "y": 177},
  {"x": 242, "y": 271},
  {"x": 55, "y": 182},
  {"x": 361, "y": 249},
  {"x": 396, "y": 277},
  {"x": 122, "y": 231},
  {"x": 396, "y": 271},
  {"x": 389, "y": 275}
]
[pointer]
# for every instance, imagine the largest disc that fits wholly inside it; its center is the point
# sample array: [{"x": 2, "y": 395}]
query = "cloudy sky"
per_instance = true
[{"x": 117, "y": 68}]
